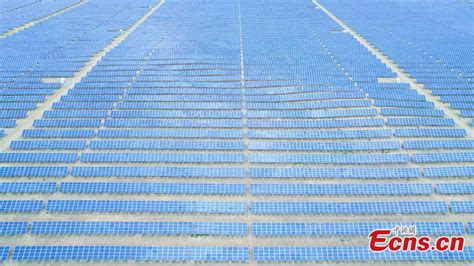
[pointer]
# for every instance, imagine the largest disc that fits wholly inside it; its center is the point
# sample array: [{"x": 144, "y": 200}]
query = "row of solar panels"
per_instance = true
[
  {"x": 225, "y": 254},
  {"x": 258, "y": 229},
  {"x": 217, "y": 158},
  {"x": 235, "y": 189},
  {"x": 228, "y": 207},
  {"x": 202, "y": 172},
  {"x": 229, "y": 114},
  {"x": 237, "y": 123},
  {"x": 258, "y": 134},
  {"x": 238, "y": 145}
]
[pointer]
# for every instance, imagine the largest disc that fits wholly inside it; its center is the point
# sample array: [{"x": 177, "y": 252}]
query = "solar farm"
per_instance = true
[{"x": 236, "y": 132}]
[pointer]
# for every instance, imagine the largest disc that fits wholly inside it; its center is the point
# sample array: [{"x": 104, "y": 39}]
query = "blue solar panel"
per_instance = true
[
  {"x": 137, "y": 228},
  {"x": 382, "y": 207},
  {"x": 330, "y": 158},
  {"x": 395, "y": 103},
  {"x": 75, "y": 114},
  {"x": 430, "y": 132},
  {"x": 26, "y": 171},
  {"x": 181, "y": 105},
  {"x": 66, "y": 123},
  {"x": 137, "y": 253},
  {"x": 62, "y": 133},
  {"x": 89, "y": 98},
  {"x": 305, "y": 97},
  {"x": 166, "y": 145},
  {"x": 341, "y": 189},
  {"x": 320, "y": 134},
  {"x": 48, "y": 145},
  {"x": 354, "y": 253},
  {"x": 324, "y": 146},
  {"x": 334, "y": 173},
  {"x": 352, "y": 229},
  {"x": 455, "y": 188},
  {"x": 147, "y": 187},
  {"x": 470, "y": 227},
  {"x": 176, "y": 114},
  {"x": 38, "y": 157},
  {"x": 160, "y": 157},
  {"x": 83, "y": 105},
  {"x": 462, "y": 206},
  {"x": 420, "y": 122},
  {"x": 4, "y": 253},
  {"x": 411, "y": 112},
  {"x": 449, "y": 171},
  {"x": 438, "y": 144},
  {"x": 7, "y": 206},
  {"x": 109, "y": 133},
  {"x": 443, "y": 157},
  {"x": 312, "y": 113},
  {"x": 307, "y": 105},
  {"x": 157, "y": 172},
  {"x": 27, "y": 187},
  {"x": 13, "y": 228},
  {"x": 182, "y": 123},
  {"x": 336, "y": 123},
  {"x": 111, "y": 206}
]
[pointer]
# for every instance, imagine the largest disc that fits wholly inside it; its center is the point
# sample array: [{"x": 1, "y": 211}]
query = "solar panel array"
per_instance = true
[{"x": 214, "y": 128}]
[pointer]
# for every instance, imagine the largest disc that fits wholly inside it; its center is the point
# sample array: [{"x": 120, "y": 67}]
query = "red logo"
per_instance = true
[{"x": 404, "y": 238}]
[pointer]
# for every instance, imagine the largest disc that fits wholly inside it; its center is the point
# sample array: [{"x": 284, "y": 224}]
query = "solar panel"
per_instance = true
[
  {"x": 296, "y": 172},
  {"x": 7, "y": 206},
  {"x": 430, "y": 132},
  {"x": 412, "y": 112},
  {"x": 66, "y": 123},
  {"x": 4, "y": 253},
  {"x": 192, "y": 172},
  {"x": 352, "y": 229},
  {"x": 176, "y": 114},
  {"x": 324, "y": 146},
  {"x": 307, "y": 105},
  {"x": 444, "y": 157},
  {"x": 147, "y": 187},
  {"x": 58, "y": 133},
  {"x": 330, "y": 158},
  {"x": 75, "y": 114},
  {"x": 354, "y": 253},
  {"x": 438, "y": 144},
  {"x": 124, "y": 206},
  {"x": 166, "y": 145},
  {"x": 38, "y": 157},
  {"x": 27, "y": 171},
  {"x": 341, "y": 189},
  {"x": 159, "y": 157},
  {"x": 418, "y": 121},
  {"x": 182, "y": 123},
  {"x": 143, "y": 133},
  {"x": 470, "y": 227},
  {"x": 465, "y": 206},
  {"x": 312, "y": 113},
  {"x": 374, "y": 207},
  {"x": 13, "y": 228},
  {"x": 325, "y": 123},
  {"x": 137, "y": 228},
  {"x": 137, "y": 253},
  {"x": 47, "y": 145},
  {"x": 449, "y": 171},
  {"x": 27, "y": 187},
  {"x": 320, "y": 134},
  {"x": 455, "y": 188}
]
